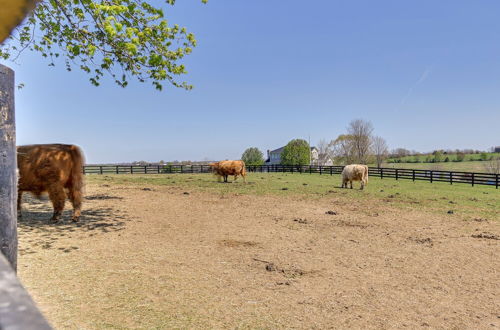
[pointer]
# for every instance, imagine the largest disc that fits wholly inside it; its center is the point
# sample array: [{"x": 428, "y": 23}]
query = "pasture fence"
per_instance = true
[{"x": 472, "y": 178}]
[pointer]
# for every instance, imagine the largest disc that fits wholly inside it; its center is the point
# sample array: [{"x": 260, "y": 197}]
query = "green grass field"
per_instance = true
[
  {"x": 469, "y": 166},
  {"x": 452, "y": 157},
  {"x": 471, "y": 162},
  {"x": 463, "y": 200}
]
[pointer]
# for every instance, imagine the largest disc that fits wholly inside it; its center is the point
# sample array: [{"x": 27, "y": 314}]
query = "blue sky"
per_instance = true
[{"x": 425, "y": 73}]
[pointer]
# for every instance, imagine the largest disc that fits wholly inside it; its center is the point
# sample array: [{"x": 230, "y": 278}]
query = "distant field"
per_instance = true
[
  {"x": 285, "y": 251},
  {"x": 466, "y": 166},
  {"x": 451, "y": 157}
]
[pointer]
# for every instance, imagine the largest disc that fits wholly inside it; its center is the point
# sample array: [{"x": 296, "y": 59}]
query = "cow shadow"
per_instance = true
[{"x": 36, "y": 232}]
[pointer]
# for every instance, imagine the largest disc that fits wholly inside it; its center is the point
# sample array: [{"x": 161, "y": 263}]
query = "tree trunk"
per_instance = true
[{"x": 8, "y": 166}]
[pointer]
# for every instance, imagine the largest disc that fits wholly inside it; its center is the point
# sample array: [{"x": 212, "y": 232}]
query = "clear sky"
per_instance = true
[{"x": 426, "y": 74}]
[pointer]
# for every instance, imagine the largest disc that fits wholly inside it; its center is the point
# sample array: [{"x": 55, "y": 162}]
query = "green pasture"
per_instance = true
[
  {"x": 460, "y": 200},
  {"x": 465, "y": 166}
]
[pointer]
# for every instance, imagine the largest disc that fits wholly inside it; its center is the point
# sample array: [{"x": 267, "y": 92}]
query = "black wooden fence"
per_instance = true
[{"x": 451, "y": 177}]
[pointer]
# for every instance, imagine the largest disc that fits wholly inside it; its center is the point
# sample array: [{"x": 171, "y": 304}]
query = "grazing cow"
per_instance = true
[
  {"x": 355, "y": 172},
  {"x": 55, "y": 169},
  {"x": 225, "y": 168}
]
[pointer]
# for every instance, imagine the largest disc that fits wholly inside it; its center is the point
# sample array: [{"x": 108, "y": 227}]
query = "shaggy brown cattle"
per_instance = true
[
  {"x": 355, "y": 172},
  {"x": 55, "y": 169},
  {"x": 225, "y": 168}
]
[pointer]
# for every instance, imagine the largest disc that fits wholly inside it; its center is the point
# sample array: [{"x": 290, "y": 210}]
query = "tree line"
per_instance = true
[{"x": 357, "y": 145}]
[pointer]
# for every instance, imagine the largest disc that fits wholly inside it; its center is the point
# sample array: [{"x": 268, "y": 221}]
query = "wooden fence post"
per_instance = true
[
  {"x": 8, "y": 166},
  {"x": 413, "y": 175},
  {"x": 451, "y": 177},
  {"x": 473, "y": 179},
  {"x": 431, "y": 176}
]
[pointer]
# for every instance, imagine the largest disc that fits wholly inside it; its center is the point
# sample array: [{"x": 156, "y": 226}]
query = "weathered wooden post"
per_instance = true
[{"x": 8, "y": 166}]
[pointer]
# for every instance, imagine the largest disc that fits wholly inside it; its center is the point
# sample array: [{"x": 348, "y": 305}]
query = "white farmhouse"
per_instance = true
[{"x": 274, "y": 157}]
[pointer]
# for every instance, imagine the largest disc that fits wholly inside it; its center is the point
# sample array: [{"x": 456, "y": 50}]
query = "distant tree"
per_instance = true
[
  {"x": 324, "y": 151},
  {"x": 460, "y": 156},
  {"x": 438, "y": 156},
  {"x": 483, "y": 156},
  {"x": 361, "y": 134},
  {"x": 342, "y": 149},
  {"x": 253, "y": 156},
  {"x": 296, "y": 152},
  {"x": 493, "y": 166},
  {"x": 380, "y": 150},
  {"x": 447, "y": 159},
  {"x": 400, "y": 152}
]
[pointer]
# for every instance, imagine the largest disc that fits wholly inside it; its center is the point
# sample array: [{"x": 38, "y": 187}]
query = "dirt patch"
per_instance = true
[
  {"x": 289, "y": 272},
  {"x": 426, "y": 241},
  {"x": 165, "y": 260},
  {"x": 344, "y": 223},
  {"x": 236, "y": 243},
  {"x": 486, "y": 236},
  {"x": 101, "y": 197}
]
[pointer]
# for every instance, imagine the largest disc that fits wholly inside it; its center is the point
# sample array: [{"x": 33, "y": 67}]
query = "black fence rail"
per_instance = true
[{"x": 451, "y": 177}]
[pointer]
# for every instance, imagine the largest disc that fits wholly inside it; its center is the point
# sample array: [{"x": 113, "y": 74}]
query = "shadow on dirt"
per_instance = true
[{"x": 36, "y": 232}]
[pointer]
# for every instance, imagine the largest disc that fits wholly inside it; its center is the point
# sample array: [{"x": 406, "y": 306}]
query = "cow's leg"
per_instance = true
[
  {"x": 362, "y": 185},
  {"x": 350, "y": 181},
  {"x": 225, "y": 178},
  {"x": 76, "y": 200},
  {"x": 19, "y": 201},
  {"x": 58, "y": 198}
]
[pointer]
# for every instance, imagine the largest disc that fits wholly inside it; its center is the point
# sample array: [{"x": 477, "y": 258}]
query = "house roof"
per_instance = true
[
  {"x": 278, "y": 150},
  {"x": 281, "y": 149}
]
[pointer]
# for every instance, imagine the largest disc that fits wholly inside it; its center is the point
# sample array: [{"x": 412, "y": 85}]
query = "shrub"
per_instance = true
[
  {"x": 253, "y": 156},
  {"x": 296, "y": 152}
]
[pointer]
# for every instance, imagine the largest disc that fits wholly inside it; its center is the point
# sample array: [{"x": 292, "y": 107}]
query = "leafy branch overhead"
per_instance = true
[{"x": 125, "y": 38}]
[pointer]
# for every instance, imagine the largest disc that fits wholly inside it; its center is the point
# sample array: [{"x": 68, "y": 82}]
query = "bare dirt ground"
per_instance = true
[{"x": 149, "y": 256}]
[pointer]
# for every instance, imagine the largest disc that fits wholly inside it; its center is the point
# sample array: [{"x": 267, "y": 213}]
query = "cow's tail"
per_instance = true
[
  {"x": 366, "y": 174},
  {"x": 77, "y": 183},
  {"x": 244, "y": 172}
]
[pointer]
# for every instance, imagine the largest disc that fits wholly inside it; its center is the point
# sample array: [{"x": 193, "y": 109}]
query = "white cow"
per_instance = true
[{"x": 355, "y": 172}]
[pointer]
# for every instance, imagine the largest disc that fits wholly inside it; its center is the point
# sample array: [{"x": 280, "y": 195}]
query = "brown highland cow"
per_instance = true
[
  {"x": 225, "y": 168},
  {"x": 55, "y": 169}
]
